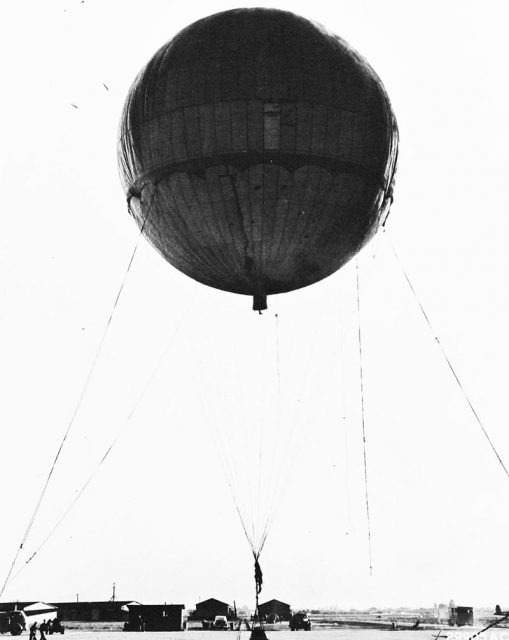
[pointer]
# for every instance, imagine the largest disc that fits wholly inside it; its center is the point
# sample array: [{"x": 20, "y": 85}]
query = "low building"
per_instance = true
[
  {"x": 274, "y": 611},
  {"x": 461, "y": 616},
  {"x": 209, "y": 609},
  {"x": 155, "y": 617}
]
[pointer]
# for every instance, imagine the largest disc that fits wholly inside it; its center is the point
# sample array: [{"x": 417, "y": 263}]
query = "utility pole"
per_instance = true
[
  {"x": 113, "y": 596},
  {"x": 77, "y": 597}
]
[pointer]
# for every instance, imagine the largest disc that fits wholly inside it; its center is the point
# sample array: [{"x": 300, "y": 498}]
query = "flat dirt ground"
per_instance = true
[{"x": 319, "y": 634}]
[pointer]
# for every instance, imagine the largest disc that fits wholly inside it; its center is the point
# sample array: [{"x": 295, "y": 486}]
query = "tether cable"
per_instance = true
[
  {"x": 108, "y": 450},
  {"x": 78, "y": 404},
  {"x": 474, "y": 412},
  {"x": 361, "y": 378}
]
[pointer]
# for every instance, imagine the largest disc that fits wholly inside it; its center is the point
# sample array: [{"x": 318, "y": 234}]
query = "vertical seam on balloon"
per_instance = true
[
  {"x": 245, "y": 240},
  {"x": 190, "y": 177},
  {"x": 334, "y": 208},
  {"x": 250, "y": 172},
  {"x": 176, "y": 222},
  {"x": 238, "y": 259},
  {"x": 186, "y": 236},
  {"x": 262, "y": 216},
  {"x": 157, "y": 75},
  {"x": 262, "y": 253},
  {"x": 204, "y": 219},
  {"x": 332, "y": 183},
  {"x": 217, "y": 175},
  {"x": 317, "y": 190},
  {"x": 274, "y": 217},
  {"x": 332, "y": 176},
  {"x": 292, "y": 238},
  {"x": 225, "y": 263},
  {"x": 290, "y": 174},
  {"x": 210, "y": 265},
  {"x": 239, "y": 255},
  {"x": 275, "y": 199}
]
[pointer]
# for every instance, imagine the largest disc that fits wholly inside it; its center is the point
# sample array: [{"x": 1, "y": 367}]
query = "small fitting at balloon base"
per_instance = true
[
  {"x": 258, "y": 633},
  {"x": 259, "y": 302}
]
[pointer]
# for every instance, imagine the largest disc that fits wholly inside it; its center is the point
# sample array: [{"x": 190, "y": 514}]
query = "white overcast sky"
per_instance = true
[{"x": 158, "y": 518}]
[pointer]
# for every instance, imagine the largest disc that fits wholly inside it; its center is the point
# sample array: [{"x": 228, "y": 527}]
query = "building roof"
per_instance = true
[
  {"x": 30, "y": 607},
  {"x": 93, "y": 603},
  {"x": 210, "y": 600},
  {"x": 273, "y": 601},
  {"x": 39, "y": 607},
  {"x": 10, "y": 606},
  {"x": 137, "y": 605}
]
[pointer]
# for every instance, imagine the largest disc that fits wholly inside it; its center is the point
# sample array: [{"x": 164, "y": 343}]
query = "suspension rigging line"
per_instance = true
[
  {"x": 361, "y": 378},
  {"x": 447, "y": 360},
  {"x": 283, "y": 468},
  {"x": 277, "y": 355},
  {"x": 77, "y": 406}
]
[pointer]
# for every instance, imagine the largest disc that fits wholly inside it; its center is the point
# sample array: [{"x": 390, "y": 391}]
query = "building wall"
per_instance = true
[
  {"x": 465, "y": 616},
  {"x": 159, "y": 617},
  {"x": 209, "y": 609},
  {"x": 275, "y": 608},
  {"x": 92, "y": 611}
]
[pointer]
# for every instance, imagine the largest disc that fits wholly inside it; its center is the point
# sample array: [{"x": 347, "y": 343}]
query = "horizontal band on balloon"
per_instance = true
[
  {"x": 242, "y": 162},
  {"x": 242, "y": 127}
]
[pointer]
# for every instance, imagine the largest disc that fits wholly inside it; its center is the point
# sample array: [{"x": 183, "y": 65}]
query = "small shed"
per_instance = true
[
  {"x": 155, "y": 617},
  {"x": 461, "y": 616},
  {"x": 209, "y": 609},
  {"x": 274, "y": 611}
]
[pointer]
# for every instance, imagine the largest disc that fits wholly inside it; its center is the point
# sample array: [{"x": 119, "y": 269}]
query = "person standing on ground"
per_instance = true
[{"x": 33, "y": 631}]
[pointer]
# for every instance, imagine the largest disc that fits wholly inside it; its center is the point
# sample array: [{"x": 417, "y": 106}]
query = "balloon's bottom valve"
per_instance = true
[{"x": 259, "y": 302}]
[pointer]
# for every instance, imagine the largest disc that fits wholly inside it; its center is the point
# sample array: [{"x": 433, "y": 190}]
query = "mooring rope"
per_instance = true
[
  {"x": 366, "y": 486},
  {"x": 78, "y": 404},
  {"x": 444, "y": 354},
  {"x": 108, "y": 450}
]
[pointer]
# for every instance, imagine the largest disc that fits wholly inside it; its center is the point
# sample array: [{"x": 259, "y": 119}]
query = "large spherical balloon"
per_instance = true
[{"x": 257, "y": 152}]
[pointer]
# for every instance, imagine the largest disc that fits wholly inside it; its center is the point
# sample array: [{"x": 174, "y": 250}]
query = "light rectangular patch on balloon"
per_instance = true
[{"x": 271, "y": 125}]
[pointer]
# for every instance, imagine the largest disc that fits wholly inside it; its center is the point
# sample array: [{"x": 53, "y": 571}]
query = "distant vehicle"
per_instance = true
[
  {"x": 56, "y": 627},
  {"x": 220, "y": 622},
  {"x": 300, "y": 620},
  {"x": 14, "y": 622},
  {"x": 17, "y": 621}
]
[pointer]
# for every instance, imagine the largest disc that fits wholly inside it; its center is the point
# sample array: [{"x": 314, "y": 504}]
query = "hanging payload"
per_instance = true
[{"x": 257, "y": 152}]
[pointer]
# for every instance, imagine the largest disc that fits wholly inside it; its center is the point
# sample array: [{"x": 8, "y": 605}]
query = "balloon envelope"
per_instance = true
[{"x": 257, "y": 152}]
